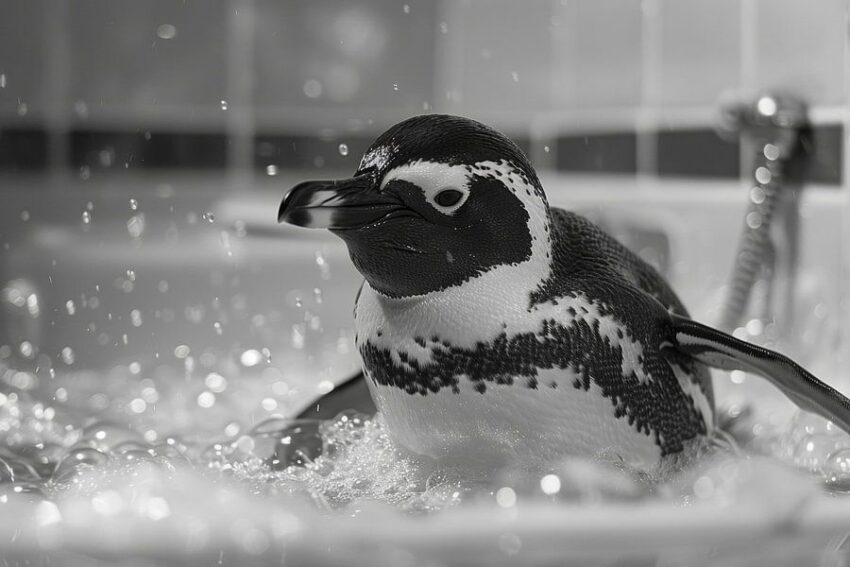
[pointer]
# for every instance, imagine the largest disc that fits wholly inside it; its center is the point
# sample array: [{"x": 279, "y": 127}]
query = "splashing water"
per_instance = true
[{"x": 169, "y": 464}]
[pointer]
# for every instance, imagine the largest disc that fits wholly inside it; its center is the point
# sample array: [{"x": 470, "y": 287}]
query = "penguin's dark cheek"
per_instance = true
[{"x": 429, "y": 251}]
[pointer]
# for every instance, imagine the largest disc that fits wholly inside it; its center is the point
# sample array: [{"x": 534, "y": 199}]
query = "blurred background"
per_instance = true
[{"x": 145, "y": 147}]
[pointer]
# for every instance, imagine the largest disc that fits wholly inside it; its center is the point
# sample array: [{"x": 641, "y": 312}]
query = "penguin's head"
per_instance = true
[{"x": 436, "y": 201}]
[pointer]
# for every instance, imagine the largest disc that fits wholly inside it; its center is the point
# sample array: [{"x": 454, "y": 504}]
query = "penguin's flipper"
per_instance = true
[{"x": 720, "y": 350}]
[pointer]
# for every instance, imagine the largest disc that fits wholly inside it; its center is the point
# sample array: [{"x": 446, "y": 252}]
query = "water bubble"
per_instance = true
[
  {"x": 136, "y": 318},
  {"x": 134, "y": 204},
  {"x": 217, "y": 327},
  {"x": 2, "y": 80},
  {"x": 515, "y": 76},
  {"x": 209, "y": 217},
  {"x": 86, "y": 216},
  {"x": 406, "y": 8},
  {"x": 70, "y": 307},
  {"x": 6, "y": 472},
  {"x": 131, "y": 275},
  {"x": 77, "y": 461},
  {"x": 271, "y": 170},
  {"x": 343, "y": 149},
  {"x": 25, "y": 215},
  {"x": 107, "y": 435},
  {"x": 444, "y": 27},
  {"x": 395, "y": 87},
  {"x": 223, "y": 105}
]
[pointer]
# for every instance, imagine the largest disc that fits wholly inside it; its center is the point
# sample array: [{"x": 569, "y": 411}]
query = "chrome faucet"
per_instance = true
[{"x": 774, "y": 125}]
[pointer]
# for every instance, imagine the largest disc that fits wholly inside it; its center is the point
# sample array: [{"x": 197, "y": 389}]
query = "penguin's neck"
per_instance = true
[{"x": 481, "y": 308}]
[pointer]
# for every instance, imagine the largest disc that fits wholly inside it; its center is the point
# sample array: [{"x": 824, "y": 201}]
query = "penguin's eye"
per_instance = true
[{"x": 448, "y": 197}]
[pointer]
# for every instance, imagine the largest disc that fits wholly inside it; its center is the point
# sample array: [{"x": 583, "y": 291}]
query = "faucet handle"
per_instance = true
[{"x": 771, "y": 118}]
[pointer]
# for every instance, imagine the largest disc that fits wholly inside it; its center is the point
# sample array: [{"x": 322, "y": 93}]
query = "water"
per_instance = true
[{"x": 165, "y": 463}]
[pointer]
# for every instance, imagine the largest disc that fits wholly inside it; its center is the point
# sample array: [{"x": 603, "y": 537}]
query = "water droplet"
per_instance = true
[
  {"x": 136, "y": 317},
  {"x": 312, "y": 88},
  {"x": 215, "y": 382},
  {"x": 506, "y": 497},
  {"x": 67, "y": 355},
  {"x": 27, "y": 350},
  {"x": 136, "y": 225},
  {"x": 343, "y": 149},
  {"x": 550, "y": 484},
  {"x": 250, "y": 357},
  {"x": 166, "y": 31},
  {"x": 206, "y": 400}
]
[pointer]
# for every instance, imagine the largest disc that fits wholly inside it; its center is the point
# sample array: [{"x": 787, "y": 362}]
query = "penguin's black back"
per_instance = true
[{"x": 585, "y": 258}]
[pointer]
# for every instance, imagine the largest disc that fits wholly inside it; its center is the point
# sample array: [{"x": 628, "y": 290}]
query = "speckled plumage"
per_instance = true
[{"x": 497, "y": 330}]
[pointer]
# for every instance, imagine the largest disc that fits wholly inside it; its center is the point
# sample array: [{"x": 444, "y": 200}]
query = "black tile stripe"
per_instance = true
[
  {"x": 310, "y": 152},
  {"x": 686, "y": 153},
  {"x": 697, "y": 153},
  {"x": 597, "y": 153},
  {"x": 101, "y": 149},
  {"x": 23, "y": 149}
]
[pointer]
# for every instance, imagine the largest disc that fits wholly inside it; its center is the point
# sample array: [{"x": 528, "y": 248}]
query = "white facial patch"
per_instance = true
[{"x": 432, "y": 178}]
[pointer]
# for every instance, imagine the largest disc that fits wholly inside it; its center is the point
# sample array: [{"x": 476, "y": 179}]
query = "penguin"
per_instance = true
[{"x": 497, "y": 330}]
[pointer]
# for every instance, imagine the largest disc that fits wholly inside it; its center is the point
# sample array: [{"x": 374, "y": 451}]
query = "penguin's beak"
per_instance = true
[{"x": 336, "y": 205}]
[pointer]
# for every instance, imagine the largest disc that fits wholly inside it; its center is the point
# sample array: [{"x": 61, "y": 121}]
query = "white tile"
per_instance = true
[
  {"x": 598, "y": 53},
  {"x": 800, "y": 48},
  {"x": 699, "y": 51},
  {"x": 500, "y": 56},
  {"x": 360, "y": 55},
  {"x": 22, "y": 52},
  {"x": 122, "y": 57}
]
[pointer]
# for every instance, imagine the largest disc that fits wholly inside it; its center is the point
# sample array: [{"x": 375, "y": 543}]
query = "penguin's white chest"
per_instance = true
[
  {"x": 512, "y": 424},
  {"x": 481, "y": 403}
]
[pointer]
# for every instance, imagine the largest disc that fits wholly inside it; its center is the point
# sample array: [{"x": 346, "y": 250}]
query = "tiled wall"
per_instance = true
[{"x": 621, "y": 86}]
